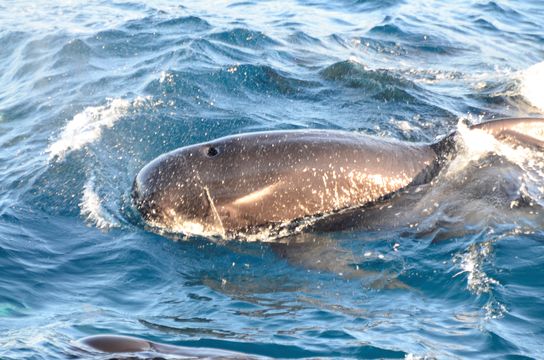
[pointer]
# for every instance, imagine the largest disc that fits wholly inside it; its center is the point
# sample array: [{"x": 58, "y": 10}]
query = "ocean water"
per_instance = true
[{"x": 92, "y": 91}]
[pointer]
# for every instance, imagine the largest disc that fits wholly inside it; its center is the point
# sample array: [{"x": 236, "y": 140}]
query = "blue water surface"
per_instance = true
[{"x": 92, "y": 91}]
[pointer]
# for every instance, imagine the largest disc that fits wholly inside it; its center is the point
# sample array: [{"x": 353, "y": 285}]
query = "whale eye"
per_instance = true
[{"x": 212, "y": 151}]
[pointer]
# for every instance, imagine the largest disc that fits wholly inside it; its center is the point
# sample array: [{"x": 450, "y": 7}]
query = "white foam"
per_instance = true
[
  {"x": 86, "y": 127},
  {"x": 473, "y": 144},
  {"x": 411, "y": 356},
  {"x": 478, "y": 281},
  {"x": 472, "y": 263},
  {"x": 271, "y": 233},
  {"x": 91, "y": 208},
  {"x": 532, "y": 85},
  {"x": 186, "y": 229},
  {"x": 477, "y": 143}
]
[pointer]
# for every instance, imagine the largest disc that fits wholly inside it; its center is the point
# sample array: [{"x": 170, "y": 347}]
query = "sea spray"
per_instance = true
[
  {"x": 532, "y": 85},
  {"x": 86, "y": 127},
  {"x": 92, "y": 209}
]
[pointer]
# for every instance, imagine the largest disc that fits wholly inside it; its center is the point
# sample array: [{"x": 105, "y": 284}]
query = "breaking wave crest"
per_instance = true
[
  {"x": 92, "y": 209},
  {"x": 88, "y": 125},
  {"x": 471, "y": 263}
]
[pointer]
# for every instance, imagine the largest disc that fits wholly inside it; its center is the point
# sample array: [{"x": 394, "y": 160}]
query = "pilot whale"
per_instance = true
[
  {"x": 112, "y": 344},
  {"x": 242, "y": 184}
]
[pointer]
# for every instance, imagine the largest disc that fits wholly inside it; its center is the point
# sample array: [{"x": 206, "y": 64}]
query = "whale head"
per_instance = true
[
  {"x": 172, "y": 191},
  {"x": 236, "y": 183},
  {"x": 224, "y": 186}
]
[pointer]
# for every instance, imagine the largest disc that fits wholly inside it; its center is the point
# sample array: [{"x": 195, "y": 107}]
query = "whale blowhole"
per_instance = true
[{"x": 212, "y": 151}]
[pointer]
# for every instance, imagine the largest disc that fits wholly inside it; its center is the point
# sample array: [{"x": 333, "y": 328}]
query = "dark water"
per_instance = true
[{"x": 90, "y": 92}]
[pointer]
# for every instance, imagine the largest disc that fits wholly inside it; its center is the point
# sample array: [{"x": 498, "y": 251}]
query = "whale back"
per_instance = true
[{"x": 296, "y": 174}]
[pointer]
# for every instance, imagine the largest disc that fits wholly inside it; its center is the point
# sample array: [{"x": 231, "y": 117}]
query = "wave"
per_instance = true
[
  {"x": 471, "y": 263},
  {"x": 398, "y": 36},
  {"x": 379, "y": 84},
  {"x": 239, "y": 79},
  {"x": 188, "y": 23},
  {"x": 500, "y": 11},
  {"x": 87, "y": 126},
  {"x": 350, "y": 6},
  {"x": 92, "y": 210},
  {"x": 245, "y": 38}
]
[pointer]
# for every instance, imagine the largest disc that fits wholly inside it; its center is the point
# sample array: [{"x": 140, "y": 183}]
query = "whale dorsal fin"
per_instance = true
[{"x": 527, "y": 131}]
